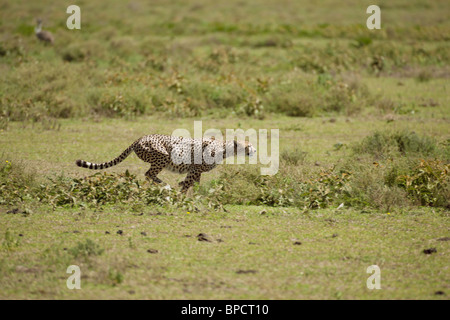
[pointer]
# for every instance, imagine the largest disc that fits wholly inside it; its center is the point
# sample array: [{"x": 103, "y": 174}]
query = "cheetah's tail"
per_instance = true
[{"x": 104, "y": 165}]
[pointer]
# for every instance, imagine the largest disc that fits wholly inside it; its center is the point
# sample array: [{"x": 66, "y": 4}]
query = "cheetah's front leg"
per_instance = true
[{"x": 191, "y": 178}]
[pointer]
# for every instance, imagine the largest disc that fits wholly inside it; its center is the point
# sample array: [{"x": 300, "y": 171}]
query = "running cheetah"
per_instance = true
[{"x": 178, "y": 154}]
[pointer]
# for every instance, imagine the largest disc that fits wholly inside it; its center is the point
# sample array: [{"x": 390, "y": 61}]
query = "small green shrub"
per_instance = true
[
  {"x": 118, "y": 102},
  {"x": 73, "y": 54},
  {"x": 385, "y": 105},
  {"x": 224, "y": 96},
  {"x": 428, "y": 183},
  {"x": 11, "y": 241},
  {"x": 362, "y": 41},
  {"x": 293, "y": 101},
  {"x": 384, "y": 144},
  {"x": 16, "y": 183},
  {"x": 424, "y": 75},
  {"x": 293, "y": 156},
  {"x": 116, "y": 277},
  {"x": 347, "y": 95},
  {"x": 86, "y": 249},
  {"x": 252, "y": 108},
  {"x": 368, "y": 187},
  {"x": 184, "y": 108}
]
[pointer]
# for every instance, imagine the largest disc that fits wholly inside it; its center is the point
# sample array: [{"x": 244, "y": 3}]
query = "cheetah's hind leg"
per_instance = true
[{"x": 152, "y": 173}]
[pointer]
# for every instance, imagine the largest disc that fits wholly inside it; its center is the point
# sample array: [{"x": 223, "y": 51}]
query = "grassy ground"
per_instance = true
[
  {"x": 252, "y": 255},
  {"x": 260, "y": 239},
  {"x": 363, "y": 118}
]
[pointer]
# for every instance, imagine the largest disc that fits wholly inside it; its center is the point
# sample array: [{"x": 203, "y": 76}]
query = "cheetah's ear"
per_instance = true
[{"x": 159, "y": 148}]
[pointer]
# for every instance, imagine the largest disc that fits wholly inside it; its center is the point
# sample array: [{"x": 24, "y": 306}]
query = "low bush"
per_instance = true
[
  {"x": 86, "y": 249},
  {"x": 385, "y": 144},
  {"x": 428, "y": 183},
  {"x": 383, "y": 185}
]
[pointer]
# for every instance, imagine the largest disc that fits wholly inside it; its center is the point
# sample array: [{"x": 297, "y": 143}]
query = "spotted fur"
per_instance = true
[{"x": 175, "y": 153}]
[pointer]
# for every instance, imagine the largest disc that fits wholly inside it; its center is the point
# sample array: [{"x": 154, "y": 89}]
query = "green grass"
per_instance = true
[
  {"x": 363, "y": 118},
  {"x": 177, "y": 60},
  {"x": 336, "y": 249},
  {"x": 254, "y": 237}
]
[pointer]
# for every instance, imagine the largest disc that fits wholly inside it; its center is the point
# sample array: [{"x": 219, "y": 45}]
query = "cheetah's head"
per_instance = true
[{"x": 244, "y": 148}]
